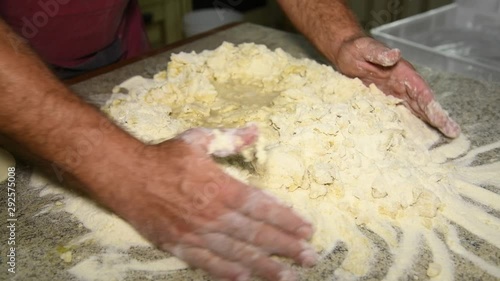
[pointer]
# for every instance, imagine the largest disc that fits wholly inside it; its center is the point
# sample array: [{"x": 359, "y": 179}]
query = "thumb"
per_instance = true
[
  {"x": 221, "y": 142},
  {"x": 376, "y": 53}
]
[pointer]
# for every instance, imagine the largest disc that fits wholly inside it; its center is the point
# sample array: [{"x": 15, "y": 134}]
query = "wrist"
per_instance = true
[
  {"x": 129, "y": 172},
  {"x": 92, "y": 151}
]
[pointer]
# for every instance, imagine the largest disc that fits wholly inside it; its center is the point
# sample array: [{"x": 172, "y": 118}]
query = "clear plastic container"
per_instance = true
[{"x": 463, "y": 38}]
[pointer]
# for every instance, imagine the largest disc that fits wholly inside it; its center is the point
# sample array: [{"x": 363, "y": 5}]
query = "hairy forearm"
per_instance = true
[
  {"x": 44, "y": 118},
  {"x": 326, "y": 23}
]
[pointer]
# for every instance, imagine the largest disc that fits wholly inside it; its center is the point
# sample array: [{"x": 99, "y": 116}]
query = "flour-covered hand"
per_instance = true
[
  {"x": 185, "y": 204},
  {"x": 372, "y": 62}
]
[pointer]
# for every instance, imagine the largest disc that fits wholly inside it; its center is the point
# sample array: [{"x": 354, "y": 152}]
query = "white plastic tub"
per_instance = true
[{"x": 460, "y": 38}]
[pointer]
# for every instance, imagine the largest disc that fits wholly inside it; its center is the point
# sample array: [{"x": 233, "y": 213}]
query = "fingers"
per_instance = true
[
  {"x": 211, "y": 263},
  {"x": 229, "y": 259},
  {"x": 262, "y": 207},
  {"x": 240, "y": 138},
  {"x": 221, "y": 142},
  {"x": 248, "y": 135},
  {"x": 377, "y": 53},
  {"x": 249, "y": 256},
  {"x": 266, "y": 237},
  {"x": 440, "y": 119},
  {"x": 259, "y": 219},
  {"x": 430, "y": 110},
  {"x": 234, "y": 238}
]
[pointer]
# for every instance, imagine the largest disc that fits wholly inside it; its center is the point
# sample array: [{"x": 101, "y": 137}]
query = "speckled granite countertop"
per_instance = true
[{"x": 475, "y": 105}]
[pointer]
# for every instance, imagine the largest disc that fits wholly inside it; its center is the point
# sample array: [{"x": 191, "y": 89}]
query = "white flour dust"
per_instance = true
[{"x": 343, "y": 155}]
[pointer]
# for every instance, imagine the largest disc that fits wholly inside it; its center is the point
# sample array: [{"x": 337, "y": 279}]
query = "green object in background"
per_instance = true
[{"x": 165, "y": 25}]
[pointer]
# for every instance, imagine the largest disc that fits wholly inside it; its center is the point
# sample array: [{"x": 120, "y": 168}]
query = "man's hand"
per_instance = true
[
  {"x": 179, "y": 199},
  {"x": 333, "y": 29},
  {"x": 372, "y": 62}
]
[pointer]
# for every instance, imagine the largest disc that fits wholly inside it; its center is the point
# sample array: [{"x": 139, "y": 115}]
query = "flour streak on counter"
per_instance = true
[{"x": 344, "y": 155}]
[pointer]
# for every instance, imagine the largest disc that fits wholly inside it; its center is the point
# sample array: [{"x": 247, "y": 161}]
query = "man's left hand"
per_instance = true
[{"x": 372, "y": 62}]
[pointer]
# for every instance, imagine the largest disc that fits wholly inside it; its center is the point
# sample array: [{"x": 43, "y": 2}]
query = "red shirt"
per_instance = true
[{"x": 69, "y": 33}]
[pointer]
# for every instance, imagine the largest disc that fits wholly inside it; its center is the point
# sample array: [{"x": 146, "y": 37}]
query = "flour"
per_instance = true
[
  {"x": 343, "y": 155},
  {"x": 110, "y": 232},
  {"x": 6, "y": 161},
  {"x": 116, "y": 266},
  {"x": 106, "y": 228}
]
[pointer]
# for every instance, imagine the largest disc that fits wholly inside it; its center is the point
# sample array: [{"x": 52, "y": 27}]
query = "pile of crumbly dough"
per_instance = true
[
  {"x": 343, "y": 155},
  {"x": 321, "y": 132}
]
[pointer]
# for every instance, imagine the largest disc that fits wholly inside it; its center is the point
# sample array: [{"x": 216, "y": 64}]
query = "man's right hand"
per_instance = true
[{"x": 179, "y": 199}]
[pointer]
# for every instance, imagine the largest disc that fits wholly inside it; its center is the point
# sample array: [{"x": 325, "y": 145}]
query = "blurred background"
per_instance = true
[{"x": 168, "y": 21}]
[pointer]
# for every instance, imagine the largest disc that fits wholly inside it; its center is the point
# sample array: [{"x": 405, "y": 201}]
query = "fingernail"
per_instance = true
[
  {"x": 305, "y": 232},
  {"x": 308, "y": 258},
  {"x": 287, "y": 275},
  {"x": 389, "y": 57},
  {"x": 452, "y": 129},
  {"x": 396, "y": 50}
]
